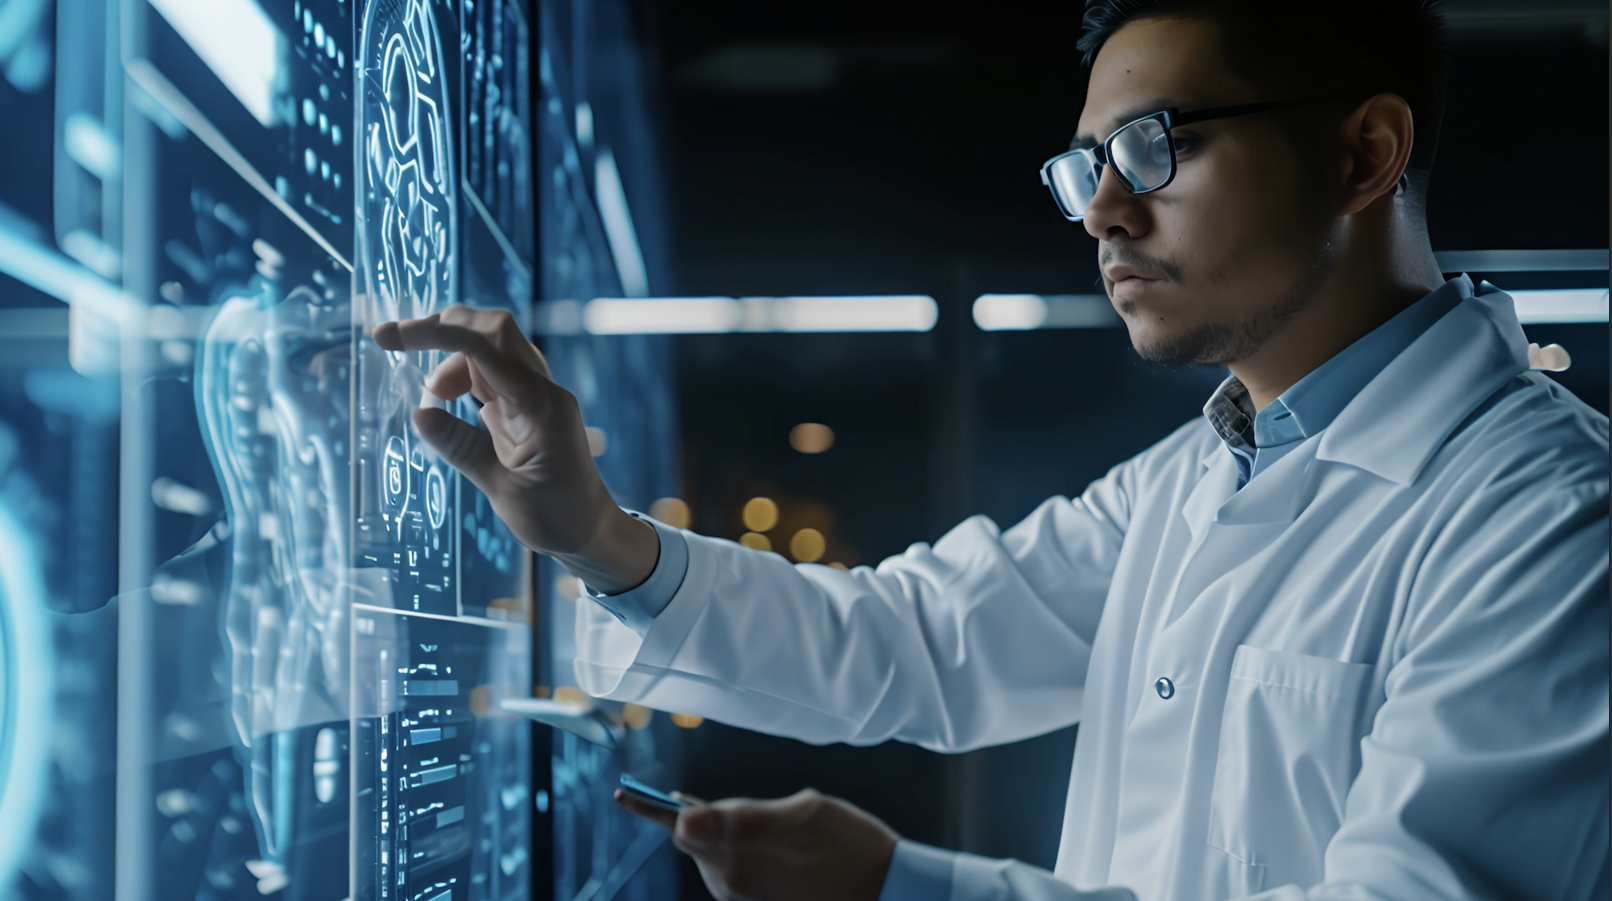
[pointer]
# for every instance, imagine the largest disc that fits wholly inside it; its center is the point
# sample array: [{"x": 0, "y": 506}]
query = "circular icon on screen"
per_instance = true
[
  {"x": 394, "y": 472},
  {"x": 436, "y": 497}
]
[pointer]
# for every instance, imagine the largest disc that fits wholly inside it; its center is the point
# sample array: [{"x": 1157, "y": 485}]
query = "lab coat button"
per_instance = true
[{"x": 1164, "y": 687}]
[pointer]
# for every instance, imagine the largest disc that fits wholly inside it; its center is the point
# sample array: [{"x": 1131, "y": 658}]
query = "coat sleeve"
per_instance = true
[{"x": 981, "y": 639}]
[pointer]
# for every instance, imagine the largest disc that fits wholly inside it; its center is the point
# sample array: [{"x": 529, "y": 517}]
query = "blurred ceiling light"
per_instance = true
[
  {"x": 572, "y": 695},
  {"x": 687, "y": 720},
  {"x": 1569, "y": 305},
  {"x": 567, "y": 586},
  {"x": 811, "y": 438},
  {"x": 598, "y": 441},
  {"x": 717, "y": 315},
  {"x": 760, "y": 514},
  {"x": 807, "y": 546},
  {"x": 636, "y": 716},
  {"x": 897, "y": 313},
  {"x": 1018, "y": 312},
  {"x": 661, "y": 316},
  {"x": 756, "y": 541},
  {"x": 671, "y": 511},
  {"x": 1005, "y": 312}
]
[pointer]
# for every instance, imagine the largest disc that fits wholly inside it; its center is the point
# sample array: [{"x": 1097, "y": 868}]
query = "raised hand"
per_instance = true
[{"x": 530, "y": 453}]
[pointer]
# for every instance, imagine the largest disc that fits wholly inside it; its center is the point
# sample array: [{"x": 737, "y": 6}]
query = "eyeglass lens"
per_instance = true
[{"x": 1139, "y": 152}]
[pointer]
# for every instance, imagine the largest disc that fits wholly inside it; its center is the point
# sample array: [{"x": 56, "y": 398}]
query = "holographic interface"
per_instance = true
[{"x": 264, "y": 631}]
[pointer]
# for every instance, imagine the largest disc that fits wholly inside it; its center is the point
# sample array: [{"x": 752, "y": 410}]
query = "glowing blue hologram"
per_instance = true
[
  {"x": 27, "y": 690},
  {"x": 395, "y": 473},
  {"x": 272, "y": 384},
  {"x": 326, "y": 765},
  {"x": 25, "y": 43},
  {"x": 436, "y": 497},
  {"x": 408, "y": 245},
  {"x": 408, "y": 230},
  {"x": 237, "y": 40}
]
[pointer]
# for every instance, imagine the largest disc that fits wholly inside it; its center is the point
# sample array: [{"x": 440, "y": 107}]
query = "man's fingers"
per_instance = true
[
  {"x": 662, "y": 816},
  {"x": 387, "y": 336},
  {"x": 451, "y": 378},
  {"x": 465, "y": 447},
  {"x": 490, "y": 338}
]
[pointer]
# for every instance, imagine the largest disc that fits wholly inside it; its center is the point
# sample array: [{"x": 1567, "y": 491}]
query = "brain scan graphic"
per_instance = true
[
  {"x": 272, "y": 381},
  {"x": 407, "y": 243},
  {"x": 409, "y": 227}
]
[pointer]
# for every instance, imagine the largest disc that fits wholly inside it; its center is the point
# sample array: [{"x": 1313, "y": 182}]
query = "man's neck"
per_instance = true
[{"x": 1359, "y": 296}]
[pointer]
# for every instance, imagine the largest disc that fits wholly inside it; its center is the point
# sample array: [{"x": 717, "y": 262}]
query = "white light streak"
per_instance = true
[
  {"x": 661, "y": 316},
  {"x": 238, "y": 42},
  {"x": 1571, "y": 305},
  {"x": 612, "y": 200},
  {"x": 718, "y": 315},
  {"x": 1010, "y": 312},
  {"x": 897, "y": 313},
  {"x": 1019, "y": 312}
]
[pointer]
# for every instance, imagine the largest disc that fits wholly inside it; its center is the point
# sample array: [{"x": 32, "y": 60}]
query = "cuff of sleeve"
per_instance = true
[
  {"x": 918, "y": 873},
  {"x": 637, "y": 608}
]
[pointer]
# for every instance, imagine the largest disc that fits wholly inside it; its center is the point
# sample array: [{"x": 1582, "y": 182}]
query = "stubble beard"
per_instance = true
[{"x": 1221, "y": 344}]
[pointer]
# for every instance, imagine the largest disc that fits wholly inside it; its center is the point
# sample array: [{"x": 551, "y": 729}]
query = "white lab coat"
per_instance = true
[{"x": 1388, "y": 651}]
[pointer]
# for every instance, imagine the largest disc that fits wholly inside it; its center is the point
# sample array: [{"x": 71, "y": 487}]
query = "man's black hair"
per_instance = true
[{"x": 1305, "y": 48}]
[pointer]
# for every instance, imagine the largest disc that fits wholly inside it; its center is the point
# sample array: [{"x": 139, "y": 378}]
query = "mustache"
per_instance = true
[{"x": 1129, "y": 256}]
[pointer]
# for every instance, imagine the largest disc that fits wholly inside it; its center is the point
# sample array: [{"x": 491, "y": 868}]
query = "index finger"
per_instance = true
[{"x": 508, "y": 361}]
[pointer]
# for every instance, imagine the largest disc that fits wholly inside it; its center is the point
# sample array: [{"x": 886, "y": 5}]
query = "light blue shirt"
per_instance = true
[{"x": 1311, "y": 404}]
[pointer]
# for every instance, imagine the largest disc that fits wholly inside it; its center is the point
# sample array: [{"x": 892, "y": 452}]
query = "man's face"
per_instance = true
[{"x": 1218, "y": 259}]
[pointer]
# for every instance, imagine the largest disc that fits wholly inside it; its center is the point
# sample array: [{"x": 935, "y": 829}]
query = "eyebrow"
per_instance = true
[{"x": 1086, "y": 142}]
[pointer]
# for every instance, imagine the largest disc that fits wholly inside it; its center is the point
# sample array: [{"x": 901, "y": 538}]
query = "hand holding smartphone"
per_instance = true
[{"x": 651, "y": 795}]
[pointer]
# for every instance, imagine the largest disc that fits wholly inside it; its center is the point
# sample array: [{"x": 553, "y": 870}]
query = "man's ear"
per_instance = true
[{"x": 1377, "y": 140}]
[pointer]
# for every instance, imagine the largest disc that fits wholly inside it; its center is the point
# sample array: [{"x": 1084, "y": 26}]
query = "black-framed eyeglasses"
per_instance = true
[{"x": 1142, "y": 153}]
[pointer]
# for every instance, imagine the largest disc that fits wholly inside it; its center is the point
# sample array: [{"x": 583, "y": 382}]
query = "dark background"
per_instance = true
[{"x": 840, "y": 147}]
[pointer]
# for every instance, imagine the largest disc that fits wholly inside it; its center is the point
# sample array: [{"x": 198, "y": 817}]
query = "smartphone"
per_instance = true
[{"x": 650, "y": 795}]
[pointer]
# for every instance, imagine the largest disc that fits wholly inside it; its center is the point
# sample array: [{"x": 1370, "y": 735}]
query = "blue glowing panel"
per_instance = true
[
  {"x": 247, "y": 404},
  {"x": 623, "y": 387},
  {"x": 497, "y": 140},
  {"x": 408, "y": 241},
  {"x": 442, "y": 801},
  {"x": 278, "y": 484},
  {"x": 207, "y": 470},
  {"x": 269, "y": 85}
]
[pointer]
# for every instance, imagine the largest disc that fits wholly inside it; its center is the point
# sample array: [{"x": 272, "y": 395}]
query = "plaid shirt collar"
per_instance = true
[{"x": 1230, "y": 412}]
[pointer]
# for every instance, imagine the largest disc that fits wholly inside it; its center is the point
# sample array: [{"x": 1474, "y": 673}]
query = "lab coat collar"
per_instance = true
[{"x": 1397, "y": 422}]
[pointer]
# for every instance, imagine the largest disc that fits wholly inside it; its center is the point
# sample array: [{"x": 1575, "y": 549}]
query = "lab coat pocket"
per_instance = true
[{"x": 1289, "y": 749}]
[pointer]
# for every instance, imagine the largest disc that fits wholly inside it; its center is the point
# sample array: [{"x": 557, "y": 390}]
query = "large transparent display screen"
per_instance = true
[{"x": 317, "y": 617}]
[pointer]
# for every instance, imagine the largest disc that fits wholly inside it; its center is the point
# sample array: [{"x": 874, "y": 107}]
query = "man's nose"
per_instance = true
[{"x": 1114, "y": 211}]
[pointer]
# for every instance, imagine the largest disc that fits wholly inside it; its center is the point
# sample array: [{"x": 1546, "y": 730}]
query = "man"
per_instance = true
[{"x": 1344, "y": 637}]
